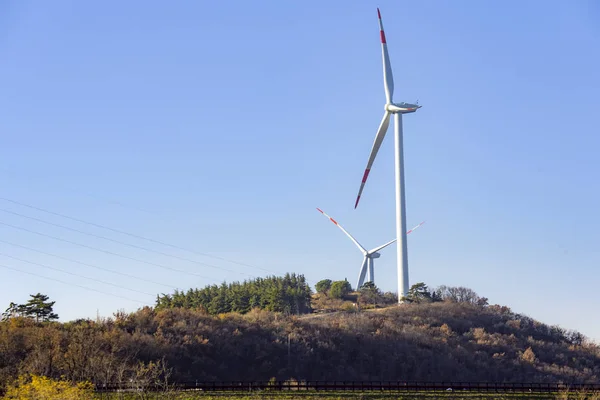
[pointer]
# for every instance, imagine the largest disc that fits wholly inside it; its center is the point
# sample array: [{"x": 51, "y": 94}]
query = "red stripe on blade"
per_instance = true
[
  {"x": 357, "y": 200},
  {"x": 378, "y": 13},
  {"x": 333, "y": 220},
  {"x": 321, "y": 211},
  {"x": 366, "y": 175},
  {"x": 382, "y": 37}
]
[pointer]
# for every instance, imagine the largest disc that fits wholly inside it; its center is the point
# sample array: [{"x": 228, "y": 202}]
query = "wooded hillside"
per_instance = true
[{"x": 431, "y": 341}]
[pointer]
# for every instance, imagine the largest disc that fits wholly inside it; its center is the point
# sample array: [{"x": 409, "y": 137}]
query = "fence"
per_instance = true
[{"x": 354, "y": 386}]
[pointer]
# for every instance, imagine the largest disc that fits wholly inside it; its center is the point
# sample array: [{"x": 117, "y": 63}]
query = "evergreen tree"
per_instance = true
[
  {"x": 289, "y": 294},
  {"x": 370, "y": 294},
  {"x": 39, "y": 307},
  {"x": 418, "y": 293},
  {"x": 339, "y": 289},
  {"x": 323, "y": 286}
]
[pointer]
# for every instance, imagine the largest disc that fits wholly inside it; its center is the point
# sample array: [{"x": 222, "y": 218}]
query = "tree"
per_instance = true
[
  {"x": 460, "y": 295},
  {"x": 289, "y": 294},
  {"x": 370, "y": 294},
  {"x": 11, "y": 312},
  {"x": 436, "y": 296},
  {"x": 418, "y": 293},
  {"x": 323, "y": 286},
  {"x": 575, "y": 337},
  {"x": 40, "y": 308},
  {"x": 528, "y": 356},
  {"x": 339, "y": 289},
  {"x": 482, "y": 302},
  {"x": 390, "y": 298}
]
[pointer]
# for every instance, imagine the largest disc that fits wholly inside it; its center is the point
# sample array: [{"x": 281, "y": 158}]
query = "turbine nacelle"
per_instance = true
[
  {"x": 369, "y": 255},
  {"x": 402, "y": 108}
]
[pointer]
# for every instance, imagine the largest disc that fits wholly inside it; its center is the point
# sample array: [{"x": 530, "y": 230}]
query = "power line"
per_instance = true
[
  {"x": 74, "y": 274},
  {"x": 120, "y": 242},
  {"x": 74, "y": 284},
  {"x": 94, "y": 196},
  {"x": 88, "y": 265},
  {"x": 134, "y": 235},
  {"x": 106, "y": 251}
]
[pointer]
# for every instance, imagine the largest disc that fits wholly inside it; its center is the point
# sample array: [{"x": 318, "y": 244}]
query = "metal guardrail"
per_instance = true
[{"x": 361, "y": 386}]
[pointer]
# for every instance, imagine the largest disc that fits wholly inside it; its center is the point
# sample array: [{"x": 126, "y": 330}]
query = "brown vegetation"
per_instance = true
[{"x": 440, "y": 341}]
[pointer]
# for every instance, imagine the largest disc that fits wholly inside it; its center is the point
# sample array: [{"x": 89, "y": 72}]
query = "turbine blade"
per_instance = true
[
  {"x": 388, "y": 78},
  {"x": 382, "y": 246},
  {"x": 363, "y": 272},
  {"x": 415, "y": 227},
  {"x": 392, "y": 241},
  {"x": 362, "y": 249},
  {"x": 383, "y": 127}
]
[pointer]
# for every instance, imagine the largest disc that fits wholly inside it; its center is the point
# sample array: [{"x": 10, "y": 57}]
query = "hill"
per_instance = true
[{"x": 438, "y": 341}]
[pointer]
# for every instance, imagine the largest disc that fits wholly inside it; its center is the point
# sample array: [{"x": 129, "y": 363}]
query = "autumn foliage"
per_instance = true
[
  {"x": 452, "y": 336},
  {"x": 41, "y": 387}
]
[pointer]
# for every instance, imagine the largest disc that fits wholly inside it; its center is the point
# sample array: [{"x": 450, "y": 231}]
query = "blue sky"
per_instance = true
[{"x": 219, "y": 127}]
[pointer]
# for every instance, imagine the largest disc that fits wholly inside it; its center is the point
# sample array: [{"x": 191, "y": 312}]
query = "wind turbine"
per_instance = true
[
  {"x": 368, "y": 263},
  {"x": 395, "y": 109}
]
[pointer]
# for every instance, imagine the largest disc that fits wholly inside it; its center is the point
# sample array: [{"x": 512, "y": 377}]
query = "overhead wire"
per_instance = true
[
  {"x": 120, "y": 242},
  {"x": 88, "y": 265},
  {"x": 106, "y": 251},
  {"x": 80, "y": 191},
  {"x": 74, "y": 274},
  {"x": 128, "y": 244},
  {"x": 74, "y": 284},
  {"x": 134, "y": 235}
]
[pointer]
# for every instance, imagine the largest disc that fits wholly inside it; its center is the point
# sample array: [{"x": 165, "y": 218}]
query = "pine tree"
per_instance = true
[
  {"x": 289, "y": 294},
  {"x": 39, "y": 307},
  {"x": 11, "y": 312},
  {"x": 339, "y": 289},
  {"x": 370, "y": 293},
  {"x": 323, "y": 286},
  {"x": 418, "y": 293}
]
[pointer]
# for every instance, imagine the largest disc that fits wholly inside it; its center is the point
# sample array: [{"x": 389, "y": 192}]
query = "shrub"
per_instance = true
[{"x": 41, "y": 387}]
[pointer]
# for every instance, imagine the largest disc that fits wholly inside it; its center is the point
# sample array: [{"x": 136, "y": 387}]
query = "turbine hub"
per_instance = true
[{"x": 402, "y": 108}]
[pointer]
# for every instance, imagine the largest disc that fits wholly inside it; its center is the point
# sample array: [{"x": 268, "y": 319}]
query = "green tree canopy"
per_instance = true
[
  {"x": 289, "y": 294},
  {"x": 339, "y": 289},
  {"x": 40, "y": 308},
  {"x": 323, "y": 286},
  {"x": 418, "y": 293}
]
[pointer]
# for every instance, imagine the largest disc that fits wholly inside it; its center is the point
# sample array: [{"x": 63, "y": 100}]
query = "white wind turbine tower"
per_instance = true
[
  {"x": 395, "y": 109},
  {"x": 368, "y": 264}
]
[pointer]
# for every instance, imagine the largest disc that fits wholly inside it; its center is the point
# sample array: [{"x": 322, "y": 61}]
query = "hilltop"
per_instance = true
[{"x": 430, "y": 341}]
